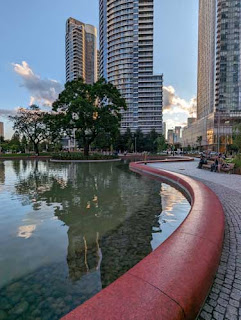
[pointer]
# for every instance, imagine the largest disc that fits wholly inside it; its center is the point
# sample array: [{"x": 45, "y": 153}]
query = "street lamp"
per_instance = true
[{"x": 227, "y": 122}]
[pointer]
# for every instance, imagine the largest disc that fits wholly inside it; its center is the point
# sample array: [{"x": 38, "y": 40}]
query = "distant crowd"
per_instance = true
[{"x": 214, "y": 162}]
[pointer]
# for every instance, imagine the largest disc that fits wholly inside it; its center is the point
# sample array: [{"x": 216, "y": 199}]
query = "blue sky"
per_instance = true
[{"x": 34, "y": 31}]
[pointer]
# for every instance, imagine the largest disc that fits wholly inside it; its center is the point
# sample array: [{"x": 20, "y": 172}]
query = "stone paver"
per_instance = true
[{"x": 224, "y": 300}]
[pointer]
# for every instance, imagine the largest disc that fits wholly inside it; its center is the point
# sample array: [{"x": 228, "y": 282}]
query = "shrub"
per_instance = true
[
  {"x": 81, "y": 156},
  {"x": 22, "y": 155},
  {"x": 237, "y": 161}
]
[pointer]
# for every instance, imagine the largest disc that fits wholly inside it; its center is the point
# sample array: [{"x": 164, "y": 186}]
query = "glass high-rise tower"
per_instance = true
[
  {"x": 228, "y": 72},
  {"x": 81, "y": 51},
  {"x": 220, "y": 26},
  {"x": 126, "y": 60},
  {"x": 1, "y": 130},
  {"x": 219, "y": 83},
  {"x": 206, "y": 57}
]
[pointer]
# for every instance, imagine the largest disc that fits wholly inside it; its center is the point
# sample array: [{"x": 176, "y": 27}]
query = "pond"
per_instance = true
[{"x": 69, "y": 230}]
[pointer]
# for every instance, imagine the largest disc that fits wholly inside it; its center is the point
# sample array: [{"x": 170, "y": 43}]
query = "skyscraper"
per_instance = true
[
  {"x": 228, "y": 73},
  {"x": 164, "y": 129},
  {"x": 1, "y": 129},
  {"x": 219, "y": 97},
  {"x": 126, "y": 60},
  {"x": 170, "y": 136},
  {"x": 178, "y": 132},
  {"x": 81, "y": 51},
  {"x": 206, "y": 57}
]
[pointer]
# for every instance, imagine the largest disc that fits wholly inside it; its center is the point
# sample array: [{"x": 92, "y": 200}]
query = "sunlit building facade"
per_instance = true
[
  {"x": 170, "y": 136},
  {"x": 81, "y": 51},
  {"x": 206, "y": 57},
  {"x": 126, "y": 60},
  {"x": 164, "y": 129}
]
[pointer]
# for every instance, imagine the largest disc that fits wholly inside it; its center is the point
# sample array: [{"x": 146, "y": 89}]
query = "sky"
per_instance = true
[{"x": 32, "y": 55}]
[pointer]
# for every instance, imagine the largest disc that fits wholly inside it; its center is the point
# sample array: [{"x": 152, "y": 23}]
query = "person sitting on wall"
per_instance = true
[
  {"x": 202, "y": 162},
  {"x": 218, "y": 162},
  {"x": 221, "y": 163},
  {"x": 214, "y": 166}
]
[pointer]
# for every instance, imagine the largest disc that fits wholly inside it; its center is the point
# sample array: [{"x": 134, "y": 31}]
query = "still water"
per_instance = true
[{"x": 69, "y": 230}]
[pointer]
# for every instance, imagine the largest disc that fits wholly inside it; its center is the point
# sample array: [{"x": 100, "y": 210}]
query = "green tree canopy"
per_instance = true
[
  {"x": 237, "y": 136},
  {"x": 90, "y": 110},
  {"x": 31, "y": 123},
  {"x": 15, "y": 144},
  {"x": 199, "y": 140},
  {"x": 161, "y": 143}
]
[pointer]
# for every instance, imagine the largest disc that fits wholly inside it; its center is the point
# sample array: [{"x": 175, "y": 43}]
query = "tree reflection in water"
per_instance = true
[
  {"x": 110, "y": 212},
  {"x": 71, "y": 229}
]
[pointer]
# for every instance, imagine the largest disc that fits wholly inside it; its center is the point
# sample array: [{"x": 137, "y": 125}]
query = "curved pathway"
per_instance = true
[{"x": 224, "y": 300}]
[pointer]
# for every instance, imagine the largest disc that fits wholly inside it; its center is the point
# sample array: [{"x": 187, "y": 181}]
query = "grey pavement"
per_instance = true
[{"x": 224, "y": 299}]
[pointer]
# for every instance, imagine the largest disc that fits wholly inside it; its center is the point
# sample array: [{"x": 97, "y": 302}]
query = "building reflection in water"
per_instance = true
[
  {"x": 110, "y": 212},
  {"x": 72, "y": 229},
  {"x": 2, "y": 173}
]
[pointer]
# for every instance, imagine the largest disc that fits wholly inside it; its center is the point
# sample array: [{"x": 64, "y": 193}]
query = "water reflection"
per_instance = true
[{"x": 78, "y": 228}]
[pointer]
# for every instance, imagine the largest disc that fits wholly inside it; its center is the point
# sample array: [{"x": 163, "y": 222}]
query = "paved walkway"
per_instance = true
[{"x": 224, "y": 300}]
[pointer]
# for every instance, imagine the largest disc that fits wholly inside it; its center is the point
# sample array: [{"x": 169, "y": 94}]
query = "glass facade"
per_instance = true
[
  {"x": 216, "y": 120},
  {"x": 103, "y": 39},
  {"x": 228, "y": 81},
  {"x": 206, "y": 57},
  {"x": 1, "y": 130},
  {"x": 126, "y": 60}
]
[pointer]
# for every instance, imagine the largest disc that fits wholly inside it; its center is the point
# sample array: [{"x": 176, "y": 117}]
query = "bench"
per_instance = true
[
  {"x": 208, "y": 165},
  {"x": 228, "y": 169}
]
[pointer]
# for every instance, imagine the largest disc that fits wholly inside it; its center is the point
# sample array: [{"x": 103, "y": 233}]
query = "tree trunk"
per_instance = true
[
  {"x": 36, "y": 149},
  {"x": 86, "y": 149}
]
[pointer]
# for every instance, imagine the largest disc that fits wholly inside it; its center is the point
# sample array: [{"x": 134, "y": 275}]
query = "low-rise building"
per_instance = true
[
  {"x": 170, "y": 136},
  {"x": 215, "y": 129},
  {"x": 164, "y": 129}
]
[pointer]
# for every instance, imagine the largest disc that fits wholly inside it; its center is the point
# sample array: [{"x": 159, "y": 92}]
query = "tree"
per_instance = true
[
  {"x": 199, "y": 141},
  {"x": 128, "y": 139},
  {"x": 161, "y": 143},
  {"x": 237, "y": 137},
  {"x": 24, "y": 143},
  {"x": 90, "y": 110},
  {"x": 140, "y": 140},
  {"x": 151, "y": 141},
  {"x": 15, "y": 144},
  {"x": 31, "y": 123}
]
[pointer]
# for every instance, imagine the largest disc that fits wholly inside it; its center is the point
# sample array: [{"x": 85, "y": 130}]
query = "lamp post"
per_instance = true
[
  {"x": 135, "y": 144},
  {"x": 173, "y": 141},
  {"x": 227, "y": 122}
]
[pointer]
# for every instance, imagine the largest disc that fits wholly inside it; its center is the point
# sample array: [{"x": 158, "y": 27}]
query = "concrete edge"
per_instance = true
[{"x": 173, "y": 281}]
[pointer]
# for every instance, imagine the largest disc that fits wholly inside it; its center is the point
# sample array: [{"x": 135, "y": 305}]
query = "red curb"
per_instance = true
[{"x": 173, "y": 281}]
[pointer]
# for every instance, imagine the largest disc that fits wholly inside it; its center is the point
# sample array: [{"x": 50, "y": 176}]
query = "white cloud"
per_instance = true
[
  {"x": 173, "y": 104},
  {"x": 5, "y": 113},
  {"x": 175, "y": 109},
  {"x": 42, "y": 91},
  {"x": 171, "y": 123}
]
